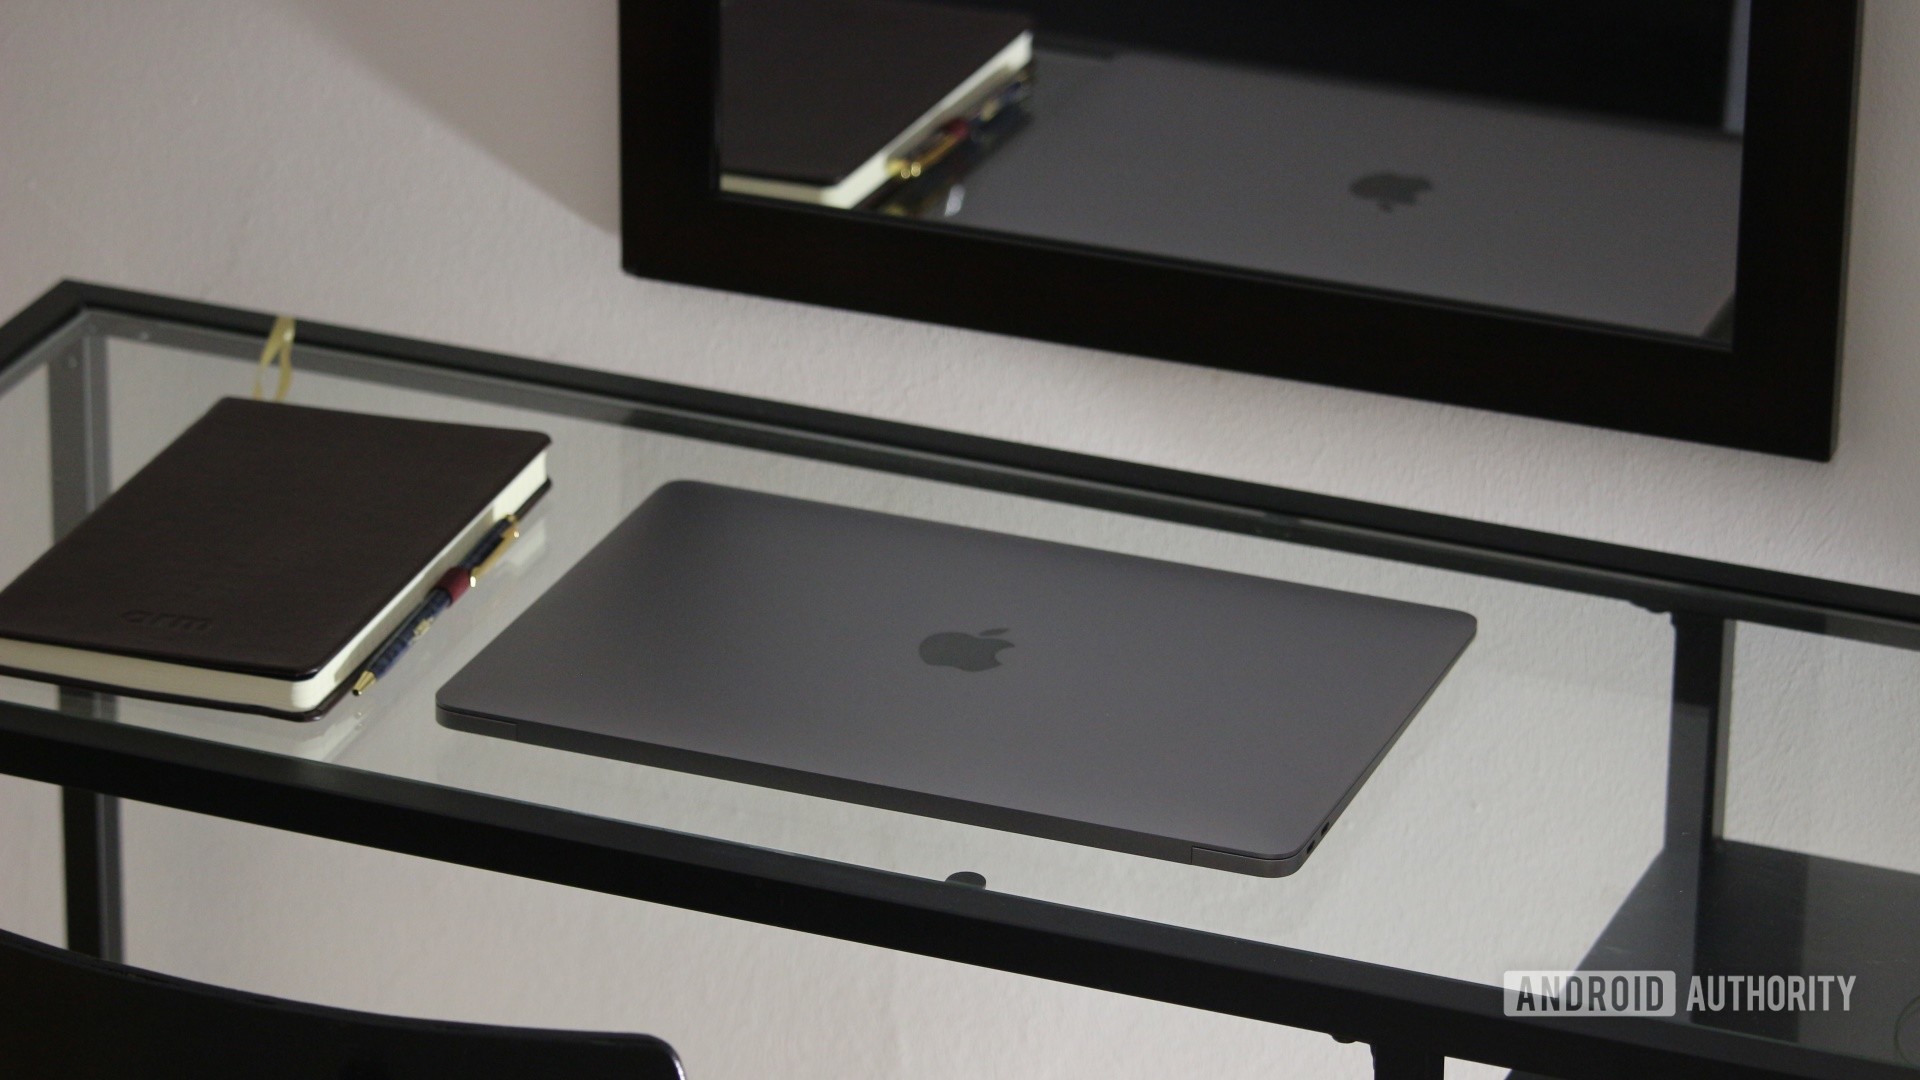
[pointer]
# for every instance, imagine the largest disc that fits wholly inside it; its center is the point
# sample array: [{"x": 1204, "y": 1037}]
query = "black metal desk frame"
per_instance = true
[{"x": 1411, "y": 1020}]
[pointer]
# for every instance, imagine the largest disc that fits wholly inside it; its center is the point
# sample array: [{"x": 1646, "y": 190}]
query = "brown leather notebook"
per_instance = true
[
  {"x": 258, "y": 560},
  {"x": 816, "y": 93}
]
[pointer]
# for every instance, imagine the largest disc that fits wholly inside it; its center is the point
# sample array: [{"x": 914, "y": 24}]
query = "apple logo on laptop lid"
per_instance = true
[{"x": 1389, "y": 189}]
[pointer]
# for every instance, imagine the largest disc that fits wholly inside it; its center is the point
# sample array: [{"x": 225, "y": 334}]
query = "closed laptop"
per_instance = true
[{"x": 1152, "y": 707}]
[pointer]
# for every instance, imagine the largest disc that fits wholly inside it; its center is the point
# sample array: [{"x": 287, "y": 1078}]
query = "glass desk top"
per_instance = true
[{"x": 1518, "y": 824}]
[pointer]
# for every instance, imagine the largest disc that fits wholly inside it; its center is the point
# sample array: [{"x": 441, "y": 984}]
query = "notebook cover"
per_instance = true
[
  {"x": 264, "y": 538},
  {"x": 810, "y": 89}
]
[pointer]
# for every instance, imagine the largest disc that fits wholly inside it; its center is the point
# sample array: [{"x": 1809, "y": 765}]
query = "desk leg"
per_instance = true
[
  {"x": 1399, "y": 1062},
  {"x": 1697, "y": 767},
  {"x": 91, "y": 823},
  {"x": 1697, "y": 752},
  {"x": 77, "y": 436},
  {"x": 1696, "y": 805}
]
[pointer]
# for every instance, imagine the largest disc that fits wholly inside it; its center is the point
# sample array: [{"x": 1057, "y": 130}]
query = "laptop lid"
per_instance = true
[
  {"x": 1152, "y": 707},
  {"x": 1450, "y": 197}
]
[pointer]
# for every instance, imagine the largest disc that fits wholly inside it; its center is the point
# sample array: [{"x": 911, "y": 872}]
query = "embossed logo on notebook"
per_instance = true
[
  {"x": 164, "y": 620},
  {"x": 968, "y": 652}
]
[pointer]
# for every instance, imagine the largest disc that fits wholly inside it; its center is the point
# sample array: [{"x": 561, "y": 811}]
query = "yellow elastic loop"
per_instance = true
[{"x": 279, "y": 347}]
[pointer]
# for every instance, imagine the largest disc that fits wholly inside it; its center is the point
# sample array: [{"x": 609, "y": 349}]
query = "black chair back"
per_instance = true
[{"x": 67, "y": 1015}]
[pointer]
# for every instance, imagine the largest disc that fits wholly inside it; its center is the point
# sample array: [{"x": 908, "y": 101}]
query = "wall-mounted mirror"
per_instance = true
[{"x": 1621, "y": 212}]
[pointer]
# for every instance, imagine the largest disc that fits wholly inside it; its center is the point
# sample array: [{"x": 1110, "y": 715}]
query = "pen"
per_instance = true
[
  {"x": 452, "y": 585},
  {"x": 955, "y": 133}
]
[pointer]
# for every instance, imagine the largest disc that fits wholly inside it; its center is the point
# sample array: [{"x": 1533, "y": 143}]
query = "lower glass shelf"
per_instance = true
[{"x": 1745, "y": 920}]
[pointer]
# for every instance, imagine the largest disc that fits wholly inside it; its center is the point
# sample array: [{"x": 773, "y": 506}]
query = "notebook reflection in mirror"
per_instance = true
[{"x": 868, "y": 104}]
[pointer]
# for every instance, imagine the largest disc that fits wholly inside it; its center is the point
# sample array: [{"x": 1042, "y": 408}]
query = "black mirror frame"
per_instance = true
[{"x": 1776, "y": 389}]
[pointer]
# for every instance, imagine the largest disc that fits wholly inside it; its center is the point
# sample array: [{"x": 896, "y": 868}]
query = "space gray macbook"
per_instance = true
[{"x": 1151, "y": 707}]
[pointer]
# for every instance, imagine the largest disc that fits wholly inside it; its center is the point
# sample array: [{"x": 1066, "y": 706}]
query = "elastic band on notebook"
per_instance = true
[{"x": 279, "y": 347}]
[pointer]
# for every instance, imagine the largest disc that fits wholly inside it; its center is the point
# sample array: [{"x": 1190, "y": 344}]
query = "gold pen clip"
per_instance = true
[{"x": 499, "y": 550}]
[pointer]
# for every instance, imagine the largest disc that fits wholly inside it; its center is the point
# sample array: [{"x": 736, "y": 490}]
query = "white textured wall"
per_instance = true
[{"x": 448, "y": 171}]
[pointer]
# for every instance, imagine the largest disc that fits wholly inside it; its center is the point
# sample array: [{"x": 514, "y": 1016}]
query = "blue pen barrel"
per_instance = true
[
  {"x": 437, "y": 601},
  {"x": 452, "y": 586}
]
